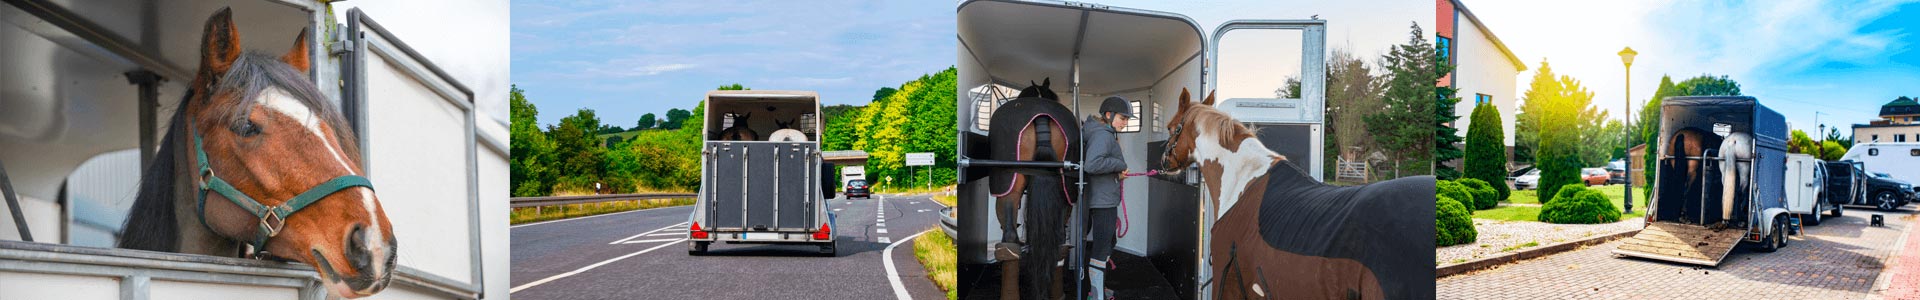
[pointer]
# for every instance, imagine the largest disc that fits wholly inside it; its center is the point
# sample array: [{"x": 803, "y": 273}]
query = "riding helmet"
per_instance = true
[{"x": 1116, "y": 105}]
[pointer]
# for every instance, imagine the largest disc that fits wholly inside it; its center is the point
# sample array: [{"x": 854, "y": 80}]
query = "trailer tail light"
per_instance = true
[
  {"x": 695, "y": 232},
  {"x": 824, "y": 233}
]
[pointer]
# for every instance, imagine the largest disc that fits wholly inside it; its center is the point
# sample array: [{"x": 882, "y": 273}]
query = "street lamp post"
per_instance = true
[{"x": 1626, "y": 58}]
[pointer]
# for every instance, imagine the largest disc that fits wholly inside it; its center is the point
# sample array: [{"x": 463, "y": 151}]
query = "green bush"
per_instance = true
[
  {"x": 1484, "y": 196},
  {"x": 1455, "y": 190},
  {"x": 1453, "y": 222},
  {"x": 1581, "y": 206},
  {"x": 1567, "y": 191},
  {"x": 1486, "y": 157}
]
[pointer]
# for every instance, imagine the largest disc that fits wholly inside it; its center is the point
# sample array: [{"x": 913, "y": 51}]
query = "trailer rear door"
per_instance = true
[{"x": 761, "y": 185}]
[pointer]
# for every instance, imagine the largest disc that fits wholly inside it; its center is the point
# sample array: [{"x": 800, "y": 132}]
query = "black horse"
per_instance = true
[{"x": 1032, "y": 127}]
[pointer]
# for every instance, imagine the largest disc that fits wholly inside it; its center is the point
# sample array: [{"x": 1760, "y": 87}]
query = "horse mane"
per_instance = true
[
  {"x": 151, "y": 224},
  {"x": 1231, "y": 129}
]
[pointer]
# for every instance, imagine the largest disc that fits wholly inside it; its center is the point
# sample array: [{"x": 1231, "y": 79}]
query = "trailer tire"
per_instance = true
[
  {"x": 1784, "y": 223},
  {"x": 830, "y": 249},
  {"x": 697, "y": 248},
  {"x": 1772, "y": 242}
]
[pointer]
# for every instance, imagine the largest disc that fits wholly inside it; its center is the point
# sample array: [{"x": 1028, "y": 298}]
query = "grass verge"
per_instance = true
[
  {"x": 536, "y": 214},
  {"x": 935, "y": 252}
]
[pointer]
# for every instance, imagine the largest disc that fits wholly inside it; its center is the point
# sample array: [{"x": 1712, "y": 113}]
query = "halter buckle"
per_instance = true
[
  {"x": 269, "y": 219},
  {"x": 206, "y": 175}
]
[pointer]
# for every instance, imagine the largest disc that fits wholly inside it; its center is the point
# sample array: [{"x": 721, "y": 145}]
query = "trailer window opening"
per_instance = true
[
  {"x": 807, "y": 121},
  {"x": 1133, "y": 126}
]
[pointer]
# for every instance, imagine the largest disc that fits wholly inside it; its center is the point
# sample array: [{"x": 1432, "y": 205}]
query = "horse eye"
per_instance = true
[{"x": 248, "y": 129}]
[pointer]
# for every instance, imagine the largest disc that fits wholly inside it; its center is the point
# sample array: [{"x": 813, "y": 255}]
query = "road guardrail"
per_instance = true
[{"x": 519, "y": 202}]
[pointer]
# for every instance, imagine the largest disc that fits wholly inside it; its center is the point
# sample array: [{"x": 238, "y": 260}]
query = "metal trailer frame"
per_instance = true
[
  {"x": 1768, "y": 165},
  {"x": 137, "y": 269},
  {"x": 1313, "y": 73},
  {"x": 811, "y": 154}
]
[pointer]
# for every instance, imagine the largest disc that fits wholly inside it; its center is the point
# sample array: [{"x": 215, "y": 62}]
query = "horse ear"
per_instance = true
[
  {"x": 1185, "y": 98},
  {"x": 220, "y": 43},
  {"x": 1209, "y": 101},
  {"x": 297, "y": 57},
  {"x": 1048, "y": 82}
]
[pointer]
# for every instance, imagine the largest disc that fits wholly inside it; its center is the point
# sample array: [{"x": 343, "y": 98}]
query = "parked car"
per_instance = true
[
  {"x": 858, "y": 188},
  {"x": 1617, "y": 172},
  {"x": 1593, "y": 176},
  {"x": 1846, "y": 183},
  {"x": 1527, "y": 181},
  {"x": 1886, "y": 193}
]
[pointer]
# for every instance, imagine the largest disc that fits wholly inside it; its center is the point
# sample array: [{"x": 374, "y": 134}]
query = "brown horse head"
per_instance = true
[
  {"x": 1180, "y": 140},
  {"x": 266, "y": 130}
]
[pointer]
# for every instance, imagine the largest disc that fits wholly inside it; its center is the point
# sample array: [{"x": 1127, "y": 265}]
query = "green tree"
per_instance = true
[
  {"x": 1562, "y": 108},
  {"x": 1650, "y": 128},
  {"x": 1799, "y": 142},
  {"x": 676, "y": 118},
  {"x": 578, "y": 150},
  {"x": 647, "y": 121},
  {"x": 1707, "y": 85},
  {"x": 1406, "y": 121},
  {"x": 530, "y": 164},
  {"x": 1445, "y": 136},
  {"x": 1486, "y": 157}
]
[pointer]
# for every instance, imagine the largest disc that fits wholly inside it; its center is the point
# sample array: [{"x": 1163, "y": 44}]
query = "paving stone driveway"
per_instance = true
[{"x": 1840, "y": 259}]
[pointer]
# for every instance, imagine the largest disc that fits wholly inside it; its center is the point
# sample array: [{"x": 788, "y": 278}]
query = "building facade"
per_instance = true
[
  {"x": 1485, "y": 71},
  {"x": 1899, "y": 122}
]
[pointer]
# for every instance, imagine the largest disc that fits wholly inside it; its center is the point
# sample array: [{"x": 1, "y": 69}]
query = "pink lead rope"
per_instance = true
[{"x": 1123, "y": 212}]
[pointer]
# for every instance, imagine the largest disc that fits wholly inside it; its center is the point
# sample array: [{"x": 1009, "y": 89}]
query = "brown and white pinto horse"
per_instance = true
[
  {"x": 1280, "y": 234},
  {"x": 1034, "y": 126},
  {"x": 253, "y": 125}
]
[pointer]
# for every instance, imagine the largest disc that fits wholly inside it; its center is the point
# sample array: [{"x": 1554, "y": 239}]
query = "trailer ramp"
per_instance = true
[{"x": 1682, "y": 243}]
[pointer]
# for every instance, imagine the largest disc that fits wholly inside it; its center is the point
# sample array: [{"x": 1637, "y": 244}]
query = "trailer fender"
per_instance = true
[{"x": 1765, "y": 222}]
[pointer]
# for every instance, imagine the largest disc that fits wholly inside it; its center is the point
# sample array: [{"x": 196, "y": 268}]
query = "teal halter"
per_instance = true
[{"x": 272, "y": 218}]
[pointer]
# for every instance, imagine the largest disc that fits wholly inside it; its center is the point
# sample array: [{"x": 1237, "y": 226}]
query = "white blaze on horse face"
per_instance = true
[
  {"x": 280, "y": 102},
  {"x": 1238, "y": 168}
]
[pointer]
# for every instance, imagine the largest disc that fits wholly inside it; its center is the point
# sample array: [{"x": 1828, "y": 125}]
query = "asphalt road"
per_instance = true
[{"x": 643, "y": 255}]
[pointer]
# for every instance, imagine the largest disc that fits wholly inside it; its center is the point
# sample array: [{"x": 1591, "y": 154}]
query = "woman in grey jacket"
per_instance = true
[{"x": 1105, "y": 168}]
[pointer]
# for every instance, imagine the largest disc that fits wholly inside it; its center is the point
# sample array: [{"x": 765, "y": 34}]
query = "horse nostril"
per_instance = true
[{"x": 357, "y": 256}]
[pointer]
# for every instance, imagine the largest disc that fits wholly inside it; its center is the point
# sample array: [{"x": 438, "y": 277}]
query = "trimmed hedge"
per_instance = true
[
  {"x": 1578, "y": 205},
  {"x": 1453, "y": 222},
  {"x": 1486, "y": 153},
  {"x": 1484, "y": 196},
  {"x": 1455, "y": 190}
]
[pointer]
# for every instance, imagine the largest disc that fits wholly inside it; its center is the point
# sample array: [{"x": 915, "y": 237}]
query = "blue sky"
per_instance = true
[
  {"x": 1841, "y": 59},
  {"x": 628, "y": 58}
]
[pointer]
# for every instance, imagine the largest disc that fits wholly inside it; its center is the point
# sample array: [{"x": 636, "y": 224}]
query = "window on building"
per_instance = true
[
  {"x": 1899, "y": 138},
  {"x": 1445, "y": 46},
  {"x": 1479, "y": 99},
  {"x": 1875, "y": 138}
]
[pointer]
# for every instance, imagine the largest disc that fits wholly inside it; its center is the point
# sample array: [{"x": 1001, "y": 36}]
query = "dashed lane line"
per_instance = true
[{"x": 602, "y": 263}]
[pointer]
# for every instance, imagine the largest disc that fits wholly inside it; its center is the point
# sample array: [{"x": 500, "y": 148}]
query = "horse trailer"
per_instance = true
[
  {"x": 758, "y": 188},
  {"x": 1722, "y": 164},
  {"x": 1146, "y": 57},
  {"x": 85, "y": 100}
]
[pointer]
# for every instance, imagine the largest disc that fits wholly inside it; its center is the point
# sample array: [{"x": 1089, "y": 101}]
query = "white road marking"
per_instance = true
[
  {"x": 893, "y": 276},
  {"x": 913, "y": 202},
  {"x": 652, "y": 241},
  {"x": 882, "y": 230},
  {"x": 885, "y": 240},
  {"x": 597, "y": 265},
  {"x": 838, "y": 209},
  {"x": 922, "y": 210},
  {"x": 645, "y": 233},
  {"x": 667, "y": 234},
  {"x": 880, "y": 224}
]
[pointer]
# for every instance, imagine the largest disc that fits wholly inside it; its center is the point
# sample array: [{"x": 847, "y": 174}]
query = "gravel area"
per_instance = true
[{"x": 1498, "y": 237}]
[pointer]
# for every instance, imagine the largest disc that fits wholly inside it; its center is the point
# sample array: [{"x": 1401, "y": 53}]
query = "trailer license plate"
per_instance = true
[{"x": 763, "y": 236}]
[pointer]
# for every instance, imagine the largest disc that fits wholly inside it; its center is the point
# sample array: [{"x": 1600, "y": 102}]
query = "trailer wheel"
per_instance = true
[
  {"x": 830, "y": 249},
  {"x": 1885, "y": 200},
  {"x": 1772, "y": 242},
  {"x": 1784, "y": 239},
  {"x": 697, "y": 248}
]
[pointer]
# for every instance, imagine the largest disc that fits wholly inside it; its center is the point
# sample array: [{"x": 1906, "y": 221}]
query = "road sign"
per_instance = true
[{"x": 920, "y": 159}]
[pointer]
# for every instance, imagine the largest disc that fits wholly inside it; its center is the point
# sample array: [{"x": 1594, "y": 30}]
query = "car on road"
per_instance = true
[
  {"x": 1528, "y": 181},
  {"x": 1886, "y": 193},
  {"x": 859, "y": 188},
  {"x": 1593, "y": 176}
]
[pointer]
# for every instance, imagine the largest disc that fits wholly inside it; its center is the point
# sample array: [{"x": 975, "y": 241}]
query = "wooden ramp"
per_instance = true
[{"x": 1682, "y": 243}]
